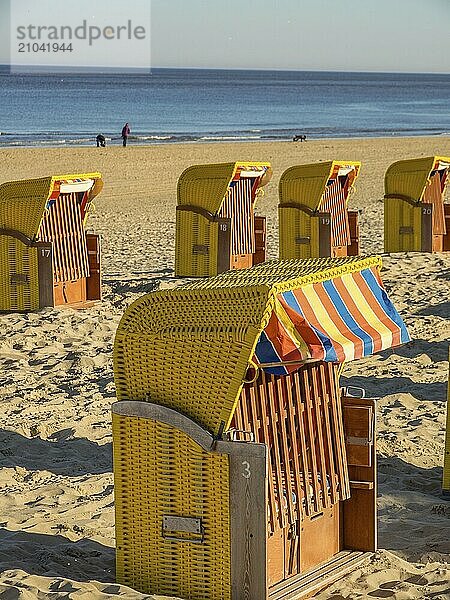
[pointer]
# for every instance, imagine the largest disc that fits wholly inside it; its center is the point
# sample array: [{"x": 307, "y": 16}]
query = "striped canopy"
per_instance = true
[{"x": 336, "y": 320}]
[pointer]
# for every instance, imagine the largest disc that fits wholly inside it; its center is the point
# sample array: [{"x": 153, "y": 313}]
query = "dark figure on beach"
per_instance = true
[
  {"x": 101, "y": 140},
  {"x": 125, "y": 134},
  {"x": 299, "y": 138}
]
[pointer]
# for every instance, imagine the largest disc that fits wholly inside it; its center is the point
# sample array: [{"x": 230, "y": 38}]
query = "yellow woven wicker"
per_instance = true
[
  {"x": 446, "y": 474},
  {"x": 204, "y": 188},
  {"x": 159, "y": 470},
  {"x": 304, "y": 186},
  {"x": 405, "y": 184},
  {"x": 22, "y": 209}
]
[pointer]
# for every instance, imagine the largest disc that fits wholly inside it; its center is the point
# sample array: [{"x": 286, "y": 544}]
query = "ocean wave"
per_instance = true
[
  {"x": 60, "y": 138},
  {"x": 152, "y": 137},
  {"x": 230, "y": 137}
]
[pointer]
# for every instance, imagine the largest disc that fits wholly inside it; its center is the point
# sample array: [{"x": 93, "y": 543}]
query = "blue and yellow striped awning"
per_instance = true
[{"x": 336, "y": 320}]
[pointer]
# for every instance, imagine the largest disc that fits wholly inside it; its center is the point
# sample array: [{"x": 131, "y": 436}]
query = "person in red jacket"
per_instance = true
[{"x": 125, "y": 134}]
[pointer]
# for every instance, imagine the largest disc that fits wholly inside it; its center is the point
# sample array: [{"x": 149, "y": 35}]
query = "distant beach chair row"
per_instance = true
[
  {"x": 217, "y": 228},
  {"x": 48, "y": 259}
]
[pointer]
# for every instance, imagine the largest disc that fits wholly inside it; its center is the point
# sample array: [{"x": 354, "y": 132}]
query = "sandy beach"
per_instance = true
[{"x": 56, "y": 377}]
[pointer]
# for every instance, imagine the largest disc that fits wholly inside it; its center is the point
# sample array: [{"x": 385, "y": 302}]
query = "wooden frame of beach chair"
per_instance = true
[
  {"x": 446, "y": 472},
  {"x": 216, "y": 227},
  {"x": 314, "y": 220},
  {"x": 415, "y": 215},
  {"x": 46, "y": 256},
  {"x": 238, "y": 478}
]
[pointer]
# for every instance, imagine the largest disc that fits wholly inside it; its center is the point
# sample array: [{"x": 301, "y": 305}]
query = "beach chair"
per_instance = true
[
  {"x": 216, "y": 227},
  {"x": 415, "y": 216},
  {"x": 313, "y": 214},
  {"x": 241, "y": 469},
  {"x": 46, "y": 256},
  {"x": 446, "y": 473}
]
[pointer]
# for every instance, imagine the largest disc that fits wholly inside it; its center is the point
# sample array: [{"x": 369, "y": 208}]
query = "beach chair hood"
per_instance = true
[
  {"x": 206, "y": 186},
  {"x": 409, "y": 178},
  {"x": 305, "y": 185},
  {"x": 189, "y": 348},
  {"x": 23, "y": 203}
]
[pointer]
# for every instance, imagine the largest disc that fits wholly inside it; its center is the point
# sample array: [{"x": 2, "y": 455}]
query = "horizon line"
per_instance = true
[{"x": 145, "y": 70}]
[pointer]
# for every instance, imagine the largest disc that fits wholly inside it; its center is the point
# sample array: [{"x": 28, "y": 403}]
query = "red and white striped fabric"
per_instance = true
[
  {"x": 335, "y": 202},
  {"x": 238, "y": 206}
]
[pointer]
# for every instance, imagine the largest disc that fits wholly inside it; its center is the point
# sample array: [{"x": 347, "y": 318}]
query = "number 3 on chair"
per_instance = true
[{"x": 246, "y": 471}]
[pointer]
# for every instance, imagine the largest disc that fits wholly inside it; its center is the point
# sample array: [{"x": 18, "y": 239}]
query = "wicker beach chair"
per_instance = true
[
  {"x": 241, "y": 470},
  {"x": 46, "y": 256},
  {"x": 216, "y": 227},
  {"x": 415, "y": 216},
  {"x": 313, "y": 215}
]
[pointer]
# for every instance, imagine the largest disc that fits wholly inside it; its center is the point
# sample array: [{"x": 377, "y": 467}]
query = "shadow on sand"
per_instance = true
[
  {"x": 65, "y": 455},
  {"x": 56, "y": 556},
  {"x": 376, "y": 387},
  {"x": 437, "y": 351}
]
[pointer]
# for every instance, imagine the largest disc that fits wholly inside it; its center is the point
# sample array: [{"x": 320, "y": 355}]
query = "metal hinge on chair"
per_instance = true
[
  {"x": 240, "y": 435},
  {"x": 352, "y": 391}
]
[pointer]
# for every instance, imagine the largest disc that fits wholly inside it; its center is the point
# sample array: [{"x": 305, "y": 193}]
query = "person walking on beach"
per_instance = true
[{"x": 125, "y": 134}]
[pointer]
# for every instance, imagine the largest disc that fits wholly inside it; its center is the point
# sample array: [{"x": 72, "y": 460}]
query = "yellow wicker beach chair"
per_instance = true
[
  {"x": 216, "y": 227},
  {"x": 241, "y": 470},
  {"x": 313, "y": 214},
  {"x": 446, "y": 474},
  {"x": 46, "y": 256},
  {"x": 415, "y": 216}
]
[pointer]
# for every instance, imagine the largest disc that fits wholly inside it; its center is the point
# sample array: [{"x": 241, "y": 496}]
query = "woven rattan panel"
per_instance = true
[
  {"x": 160, "y": 471},
  {"x": 19, "y": 284},
  {"x": 299, "y": 237},
  {"x": 287, "y": 274},
  {"x": 188, "y": 350},
  {"x": 22, "y": 204}
]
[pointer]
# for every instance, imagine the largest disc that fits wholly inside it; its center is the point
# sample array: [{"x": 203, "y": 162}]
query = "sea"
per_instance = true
[{"x": 199, "y": 105}]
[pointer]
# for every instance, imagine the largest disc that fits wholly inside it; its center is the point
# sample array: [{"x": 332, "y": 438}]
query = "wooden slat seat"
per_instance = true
[
  {"x": 281, "y": 500},
  {"x": 299, "y": 418},
  {"x": 63, "y": 227}
]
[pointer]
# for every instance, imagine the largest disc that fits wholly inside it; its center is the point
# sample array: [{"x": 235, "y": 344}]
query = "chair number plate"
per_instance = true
[{"x": 246, "y": 470}]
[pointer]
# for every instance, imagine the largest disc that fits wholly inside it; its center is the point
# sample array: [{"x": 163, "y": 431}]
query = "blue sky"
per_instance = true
[
  {"x": 364, "y": 35},
  {"x": 379, "y": 35}
]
